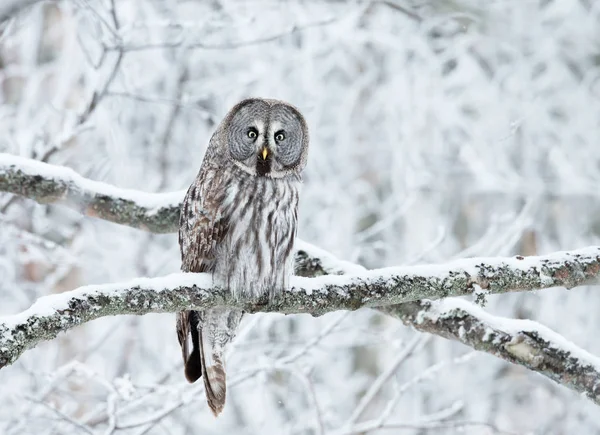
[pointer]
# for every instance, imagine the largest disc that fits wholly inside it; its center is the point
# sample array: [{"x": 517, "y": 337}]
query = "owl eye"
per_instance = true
[
  {"x": 279, "y": 136},
  {"x": 252, "y": 134}
]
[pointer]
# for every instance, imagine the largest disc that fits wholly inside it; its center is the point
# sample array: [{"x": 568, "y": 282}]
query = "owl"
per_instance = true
[{"x": 238, "y": 222}]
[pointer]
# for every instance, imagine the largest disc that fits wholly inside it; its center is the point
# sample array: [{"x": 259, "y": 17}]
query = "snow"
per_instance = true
[
  {"x": 48, "y": 305},
  {"x": 513, "y": 327},
  {"x": 500, "y": 151},
  {"x": 153, "y": 201},
  {"x": 472, "y": 266},
  {"x": 331, "y": 264}
]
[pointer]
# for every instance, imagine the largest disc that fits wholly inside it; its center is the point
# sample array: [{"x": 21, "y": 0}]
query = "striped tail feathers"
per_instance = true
[
  {"x": 203, "y": 336},
  {"x": 213, "y": 373}
]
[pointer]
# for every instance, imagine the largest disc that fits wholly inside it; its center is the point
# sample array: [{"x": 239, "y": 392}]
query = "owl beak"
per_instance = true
[{"x": 264, "y": 153}]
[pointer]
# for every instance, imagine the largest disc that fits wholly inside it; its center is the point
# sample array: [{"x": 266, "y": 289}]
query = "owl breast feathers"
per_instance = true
[{"x": 238, "y": 222}]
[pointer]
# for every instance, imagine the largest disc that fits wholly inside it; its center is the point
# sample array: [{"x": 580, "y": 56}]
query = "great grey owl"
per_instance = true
[{"x": 238, "y": 222}]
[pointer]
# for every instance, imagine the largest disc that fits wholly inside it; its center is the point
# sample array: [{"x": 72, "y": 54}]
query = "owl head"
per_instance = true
[{"x": 266, "y": 138}]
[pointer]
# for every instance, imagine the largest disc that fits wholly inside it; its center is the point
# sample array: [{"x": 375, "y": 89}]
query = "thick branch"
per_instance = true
[
  {"x": 53, "y": 314},
  {"x": 522, "y": 342},
  {"x": 51, "y": 184}
]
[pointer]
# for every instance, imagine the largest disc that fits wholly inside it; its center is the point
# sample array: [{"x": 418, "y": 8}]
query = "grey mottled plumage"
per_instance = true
[{"x": 238, "y": 222}]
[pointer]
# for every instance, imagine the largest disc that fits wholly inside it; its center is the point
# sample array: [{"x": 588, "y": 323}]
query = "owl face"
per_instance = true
[{"x": 267, "y": 138}]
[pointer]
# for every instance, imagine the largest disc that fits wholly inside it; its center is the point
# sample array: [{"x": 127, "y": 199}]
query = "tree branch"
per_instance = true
[
  {"x": 52, "y": 184},
  {"x": 53, "y": 314},
  {"x": 395, "y": 290},
  {"x": 523, "y": 342}
]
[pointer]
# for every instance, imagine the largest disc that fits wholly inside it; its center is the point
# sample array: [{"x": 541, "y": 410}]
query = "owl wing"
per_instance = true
[{"x": 202, "y": 225}]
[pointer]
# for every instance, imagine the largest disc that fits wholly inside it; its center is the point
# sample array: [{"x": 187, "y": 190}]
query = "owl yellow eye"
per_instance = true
[
  {"x": 279, "y": 137},
  {"x": 252, "y": 133}
]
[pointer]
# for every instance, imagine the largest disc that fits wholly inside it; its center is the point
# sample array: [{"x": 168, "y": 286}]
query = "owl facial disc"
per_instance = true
[{"x": 266, "y": 138}]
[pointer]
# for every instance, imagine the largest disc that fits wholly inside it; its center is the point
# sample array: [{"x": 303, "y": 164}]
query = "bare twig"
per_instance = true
[
  {"x": 416, "y": 342},
  {"x": 99, "y": 95},
  {"x": 62, "y": 415},
  {"x": 422, "y": 426},
  {"x": 222, "y": 46},
  {"x": 397, "y": 7}
]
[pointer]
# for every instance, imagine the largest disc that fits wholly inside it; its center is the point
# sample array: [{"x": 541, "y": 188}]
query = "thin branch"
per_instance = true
[
  {"x": 156, "y": 100},
  {"x": 222, "y": 46},
  {"x": 370, "y": 426},
  {"x": 410, "y": 14},
  {"x": 424, "y": 376},
  {"x": 383, "y": 379},
  {"x": 99, "y": 95},
  {"x": 62, "y": 415}
]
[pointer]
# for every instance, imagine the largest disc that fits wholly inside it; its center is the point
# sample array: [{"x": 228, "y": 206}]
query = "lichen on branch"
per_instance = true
[
  {"x": 521, "y": 342},
  {"x": 376, "y": 288},
  {"x": 51, "y": 184}
]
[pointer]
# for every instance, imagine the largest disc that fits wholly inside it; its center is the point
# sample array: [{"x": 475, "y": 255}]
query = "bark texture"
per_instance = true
[
  {"x": 521, "y": 342},
  {"x": 51, "y": 184}
]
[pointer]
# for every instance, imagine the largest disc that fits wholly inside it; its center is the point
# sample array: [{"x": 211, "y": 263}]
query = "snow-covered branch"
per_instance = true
[
  {"x": 522, "y": 342},
  {"x": 52, "y": 184},
  {"x": 324, "y": 284},
  {"x": 375, "y": 288}
]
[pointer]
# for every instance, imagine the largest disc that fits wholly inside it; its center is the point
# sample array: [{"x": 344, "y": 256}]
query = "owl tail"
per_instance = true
[
  {"x": 192, "y": 360},
  {"x": 213, "y": 373}
]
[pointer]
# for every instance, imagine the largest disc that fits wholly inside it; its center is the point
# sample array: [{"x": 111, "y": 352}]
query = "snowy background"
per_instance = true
[{"x": 439, "y": 130}]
